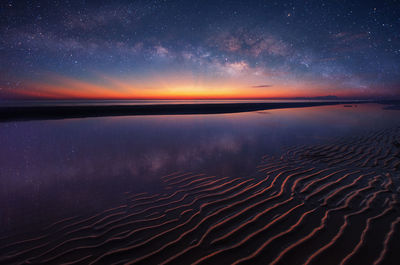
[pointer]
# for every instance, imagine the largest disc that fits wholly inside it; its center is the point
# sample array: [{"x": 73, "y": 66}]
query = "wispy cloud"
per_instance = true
[
  {"x": 346, "y": 37},
  {"x": 261, "y": 86}
]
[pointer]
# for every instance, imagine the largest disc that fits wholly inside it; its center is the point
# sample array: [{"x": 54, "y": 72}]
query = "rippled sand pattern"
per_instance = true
[{"x": 328, "y": 204}]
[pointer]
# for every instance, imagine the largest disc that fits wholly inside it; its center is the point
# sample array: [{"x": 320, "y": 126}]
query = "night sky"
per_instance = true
[{"x": 199, "y": 49}]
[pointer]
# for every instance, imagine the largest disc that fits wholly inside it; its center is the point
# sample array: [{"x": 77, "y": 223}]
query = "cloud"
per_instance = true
[
  {"x": 261, "y": 86},
  {"x": 346, "y": 37},
  {"x": 350, "y": 42}
]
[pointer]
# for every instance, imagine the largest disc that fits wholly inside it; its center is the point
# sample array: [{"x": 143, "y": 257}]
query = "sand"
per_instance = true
[
  {"x": 18, "y": 113},
  {"x": 336, "y": 203}
]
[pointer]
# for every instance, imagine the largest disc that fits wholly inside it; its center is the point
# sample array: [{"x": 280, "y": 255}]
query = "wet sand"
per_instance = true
[
  {"x": 336, "y": 203},
  {"x": 81, "y": 111}
]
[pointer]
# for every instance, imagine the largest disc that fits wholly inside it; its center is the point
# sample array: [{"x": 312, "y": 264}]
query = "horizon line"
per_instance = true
[{"x": 327, "y": 97}]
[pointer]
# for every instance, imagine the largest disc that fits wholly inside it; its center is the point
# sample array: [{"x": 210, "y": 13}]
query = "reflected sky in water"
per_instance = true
[{"x": 55, "y": 169}]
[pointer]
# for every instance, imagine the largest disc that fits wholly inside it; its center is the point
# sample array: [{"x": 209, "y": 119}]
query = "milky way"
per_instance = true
[{"x": 199, "y": 49}]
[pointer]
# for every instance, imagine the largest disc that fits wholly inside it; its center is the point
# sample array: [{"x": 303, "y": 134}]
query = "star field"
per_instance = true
[{"x": 199, "y": 49}]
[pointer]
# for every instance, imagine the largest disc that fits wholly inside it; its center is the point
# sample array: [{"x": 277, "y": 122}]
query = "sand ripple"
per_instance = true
[{"x": 336, "y": 203}]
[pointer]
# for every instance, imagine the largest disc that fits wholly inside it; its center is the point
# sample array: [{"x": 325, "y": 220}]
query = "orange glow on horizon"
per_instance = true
[{"x": 171, "y": 87}]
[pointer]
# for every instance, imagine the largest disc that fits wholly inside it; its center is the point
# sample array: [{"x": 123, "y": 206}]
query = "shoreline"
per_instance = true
[
  {"x": 25, "y": 113},
  {"x": 312, "y": 197}
]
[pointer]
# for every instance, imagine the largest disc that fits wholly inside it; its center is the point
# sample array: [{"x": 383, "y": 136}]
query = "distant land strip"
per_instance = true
[{"x": 21, "y": 113}]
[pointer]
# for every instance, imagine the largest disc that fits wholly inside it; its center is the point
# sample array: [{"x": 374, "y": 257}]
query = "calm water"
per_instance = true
[{"x": 55, "y": 169}]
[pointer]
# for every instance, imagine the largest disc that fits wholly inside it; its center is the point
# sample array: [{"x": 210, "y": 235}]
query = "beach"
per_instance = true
[
  {"x": 12, "y": 113},
  {"x": 199, "y": 132},
  {"x": 326, "y": 203}
]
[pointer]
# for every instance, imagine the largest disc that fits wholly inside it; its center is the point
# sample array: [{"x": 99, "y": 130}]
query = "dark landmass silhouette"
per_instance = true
[{"x": 14, "y": 113}]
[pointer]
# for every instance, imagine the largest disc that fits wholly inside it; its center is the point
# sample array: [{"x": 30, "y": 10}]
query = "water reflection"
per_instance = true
[{"x": 53, "y": 169}]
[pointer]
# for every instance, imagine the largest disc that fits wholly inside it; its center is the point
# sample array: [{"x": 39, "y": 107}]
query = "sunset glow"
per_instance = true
[
  {"x": 162, "y": 50},
  {"x": 168, "y": 87}
]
